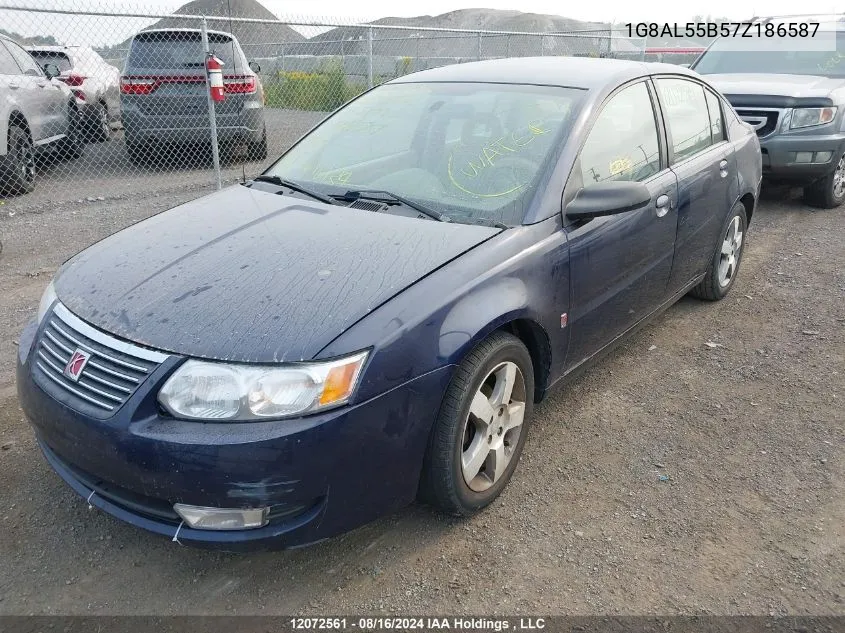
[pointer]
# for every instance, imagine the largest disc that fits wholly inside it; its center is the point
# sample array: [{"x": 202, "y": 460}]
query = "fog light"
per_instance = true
[
  {"x": 201, "y": 518},
  {"x": 822, "y": 157},
  {"x": 804, "y": 157}
]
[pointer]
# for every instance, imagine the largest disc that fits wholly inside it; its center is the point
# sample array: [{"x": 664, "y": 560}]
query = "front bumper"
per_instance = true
[
  {"x": 779, "y": 155},
  {"x": 320, "y": 475}
]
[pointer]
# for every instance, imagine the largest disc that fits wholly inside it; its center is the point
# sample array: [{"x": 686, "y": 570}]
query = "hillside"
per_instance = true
[{"x": 351, "y": 40}]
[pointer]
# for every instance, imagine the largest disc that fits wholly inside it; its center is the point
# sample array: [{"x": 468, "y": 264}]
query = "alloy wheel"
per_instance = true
[
  {"x": 731, "y": 250},
  {"x": 493, "y": 426},
  {"x": 25, "y": 155},
  {"x": 839, "y": 179}
]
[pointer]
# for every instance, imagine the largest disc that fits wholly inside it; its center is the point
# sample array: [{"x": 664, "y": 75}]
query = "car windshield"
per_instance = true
[
  {"x": 168, "y": 50},
  {"x": 470, "y": 151},
  {"x": 61, "y": 60},
  {"x": 725, "y": 57}
]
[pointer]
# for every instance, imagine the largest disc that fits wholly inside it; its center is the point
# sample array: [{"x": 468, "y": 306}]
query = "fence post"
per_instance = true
[
  {"x": 370, "y": 57},
  {"x": 478, "y": 53},
  {"x": 212, "y": 118}
]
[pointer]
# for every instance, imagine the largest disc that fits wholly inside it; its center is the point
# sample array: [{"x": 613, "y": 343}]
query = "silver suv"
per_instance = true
[
  {"x": 37, "y": 114},
  {"x": 94, "y": 83},
  {"x": 164, "y": 99}
]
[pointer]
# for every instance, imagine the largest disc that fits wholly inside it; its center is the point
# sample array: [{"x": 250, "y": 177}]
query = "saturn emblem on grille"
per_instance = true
[{"x": 76, "y": 364}]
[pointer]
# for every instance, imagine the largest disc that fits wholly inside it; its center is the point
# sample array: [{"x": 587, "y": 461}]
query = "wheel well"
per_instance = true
[
  {"x": 748, "y": 202},
  {"x": 534, "y": 337}
]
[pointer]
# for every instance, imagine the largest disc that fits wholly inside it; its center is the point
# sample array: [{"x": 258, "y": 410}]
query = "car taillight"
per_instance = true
[
  {"x": 73, "y": 79},
  {"x": 79, "y": 95},
  {"x": 137, "y": 85},
  {"x": 239, "y": 85}
]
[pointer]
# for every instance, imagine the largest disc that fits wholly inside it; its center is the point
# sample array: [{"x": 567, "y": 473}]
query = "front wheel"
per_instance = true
[
  {"x": 828, "y": 192},
  {"x": 724, "y": 265},
  {"x": 481, "y": 428}
]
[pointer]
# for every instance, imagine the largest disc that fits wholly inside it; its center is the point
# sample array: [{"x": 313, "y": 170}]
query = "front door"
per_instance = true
[{"x": 620, "y": 264}]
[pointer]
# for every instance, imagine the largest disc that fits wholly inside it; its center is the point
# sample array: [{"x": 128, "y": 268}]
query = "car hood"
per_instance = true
[
  {"x": 247, "y": 275},
  {"x": 788, "y": 87}
]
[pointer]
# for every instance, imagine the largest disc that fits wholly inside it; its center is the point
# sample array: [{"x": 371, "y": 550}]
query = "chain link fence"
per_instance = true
[{"x": 114, "y": 102}]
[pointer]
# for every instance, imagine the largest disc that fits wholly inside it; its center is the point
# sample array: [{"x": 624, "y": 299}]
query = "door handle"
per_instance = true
[
  {"x": 723, "y": 168},
  {"x": 662, "y": 205},
  {"x": 14, "y": 85}
]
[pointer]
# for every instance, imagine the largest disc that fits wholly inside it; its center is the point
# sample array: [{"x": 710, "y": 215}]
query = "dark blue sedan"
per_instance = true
[{"x": 372, "y": 319}]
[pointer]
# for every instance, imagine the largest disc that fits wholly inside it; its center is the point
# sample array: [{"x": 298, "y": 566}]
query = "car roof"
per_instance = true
[
  {"x": 574, "y": 72},
  {"x": 184, "y": 30}
]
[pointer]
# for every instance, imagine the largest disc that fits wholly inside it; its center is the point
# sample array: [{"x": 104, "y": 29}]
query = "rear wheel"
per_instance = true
[
  {"x": 481, "y": 427},
  {"x": 99, "y": 128},
  {"x": 828, "y": 192},
  {"x": 72, "y": 145},
  {"x": 20, "y": 162},
  {"x": 724, "y": 266}
]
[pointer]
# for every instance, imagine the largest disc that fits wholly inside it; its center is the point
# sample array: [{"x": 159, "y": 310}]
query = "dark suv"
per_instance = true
[
  {"x": 795, "y": 100},
  {"x": 164, "y": 100}
]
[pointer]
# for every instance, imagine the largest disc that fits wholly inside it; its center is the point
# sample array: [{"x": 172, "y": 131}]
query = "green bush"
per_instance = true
[{"x": 325, "y": 90}]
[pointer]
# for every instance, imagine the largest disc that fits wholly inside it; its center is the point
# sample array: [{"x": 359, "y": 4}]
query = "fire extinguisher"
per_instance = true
[{"x": 214, "y": 67}]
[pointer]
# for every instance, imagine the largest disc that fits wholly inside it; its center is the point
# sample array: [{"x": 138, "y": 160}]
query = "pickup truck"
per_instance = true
[{"x": 795, "y": 101}]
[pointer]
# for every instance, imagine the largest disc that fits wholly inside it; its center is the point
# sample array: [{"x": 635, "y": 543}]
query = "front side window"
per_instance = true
[
  {"x": 686, "y": 115},
  {"x": 472, "y": 151},
  {"x": 622, "y": 144}
]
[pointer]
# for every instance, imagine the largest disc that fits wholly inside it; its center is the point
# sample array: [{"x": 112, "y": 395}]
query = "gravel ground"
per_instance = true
[{"x": 698, "y": 469}]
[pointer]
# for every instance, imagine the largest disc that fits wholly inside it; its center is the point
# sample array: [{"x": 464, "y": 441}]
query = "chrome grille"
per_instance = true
[
  {"x": 114, "y": 371},
  {"x": 763, "y": 120}
]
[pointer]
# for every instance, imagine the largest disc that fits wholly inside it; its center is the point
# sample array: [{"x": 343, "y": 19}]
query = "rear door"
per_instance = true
[
  {"x": 620, "y": 264},
  {"x": 704, "y": 161},
  {"x": 44, "y": 99}
]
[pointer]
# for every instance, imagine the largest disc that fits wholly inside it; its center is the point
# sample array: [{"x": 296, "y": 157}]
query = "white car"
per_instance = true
[
  {"x": 94, "y": 83},
  {"x": 38, "y": 114}
]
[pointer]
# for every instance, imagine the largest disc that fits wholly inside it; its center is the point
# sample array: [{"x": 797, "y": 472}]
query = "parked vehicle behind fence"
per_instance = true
[
  {"x": 374, "y": 317},
  {"x": 795, "y": 100},
  {"x": 164, "y": 94},
  {"x": 38, "y": 115},
  {"x": 95, "y": 84}
]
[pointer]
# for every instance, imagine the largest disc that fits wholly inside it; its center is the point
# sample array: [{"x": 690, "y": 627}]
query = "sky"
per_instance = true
[{"x": 99, "y": 31}]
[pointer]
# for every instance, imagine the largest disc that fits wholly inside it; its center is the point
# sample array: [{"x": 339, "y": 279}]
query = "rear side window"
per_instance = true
[
  {"x": 8, "y": 66},
  {"x": 24, "y": 60},
  {"x": 622, "y": 144},
  {"x": 52, "y": 57},
  {"x": 717, "y": 125},
  {"x": 180, "y": 51},
  {"x": 686, "y": 115}
]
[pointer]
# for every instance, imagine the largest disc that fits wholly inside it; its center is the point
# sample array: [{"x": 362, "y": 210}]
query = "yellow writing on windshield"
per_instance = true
[{"x": 488, "y": 157}]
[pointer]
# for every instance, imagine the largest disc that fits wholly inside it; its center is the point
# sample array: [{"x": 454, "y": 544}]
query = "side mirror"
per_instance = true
[
  {"x": 255, "y": 67},
  {"x": 608, "y": 198},
  {"x": 51, "y": 70}
]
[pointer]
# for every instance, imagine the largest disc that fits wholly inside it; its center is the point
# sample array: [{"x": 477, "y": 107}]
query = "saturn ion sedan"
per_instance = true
[{"x": 372, "y": 319}]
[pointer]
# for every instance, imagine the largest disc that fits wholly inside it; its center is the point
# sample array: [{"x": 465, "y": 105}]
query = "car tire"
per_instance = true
[
  {"x": 257, "y": 150},
  {"x": 19, "y": 167},
  {"x": 72, "y": 145},
  {"x": 479, "y": 433},
  {"x": 828, "y": 192},
  {"x": 724, "y": 266},
  {"x": 99, "y": 127}
]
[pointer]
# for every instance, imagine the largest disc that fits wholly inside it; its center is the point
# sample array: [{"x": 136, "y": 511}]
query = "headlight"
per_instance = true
[
  {"x": 202, "y": 390},
  {"x": 47, "y": 300},
  {"x": 806, "y": 117}
]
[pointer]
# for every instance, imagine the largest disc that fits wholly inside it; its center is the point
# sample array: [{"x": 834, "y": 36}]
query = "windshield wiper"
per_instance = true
[
  {"x": 391, "y": 198},
  {"x": 295, "y": 186}
]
